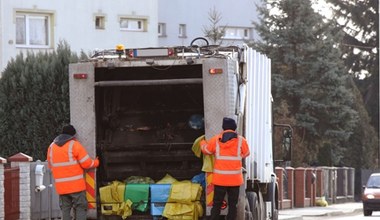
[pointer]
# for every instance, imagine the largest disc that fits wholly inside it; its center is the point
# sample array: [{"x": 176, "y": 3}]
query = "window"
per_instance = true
[
  {"x": 246, "y": 33},
  {"x": 32, "y": 30},
  {"x": 99, "y": 22},
  {"x": 182, "y": 30},
  {"x": 161, "y": 29},
  {"x": 132, "y": 24},
  {"x": 237, "y": 33}
]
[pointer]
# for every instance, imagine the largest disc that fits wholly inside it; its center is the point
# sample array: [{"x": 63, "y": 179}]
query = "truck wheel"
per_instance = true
[
  {"x": 367, "y": 212},
  {"x": 254, "y": 205},
  {"x": 262, "y": 208},
  {"x": 275, "y": 214},
  {"x": 247, "y": 211}
]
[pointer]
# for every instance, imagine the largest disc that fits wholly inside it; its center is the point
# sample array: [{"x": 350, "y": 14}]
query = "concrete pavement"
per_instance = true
[{"x": 330, "y": 210}]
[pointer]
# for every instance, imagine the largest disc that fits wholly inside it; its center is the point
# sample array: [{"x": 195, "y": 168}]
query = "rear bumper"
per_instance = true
[{"x": 373, "y": 204}]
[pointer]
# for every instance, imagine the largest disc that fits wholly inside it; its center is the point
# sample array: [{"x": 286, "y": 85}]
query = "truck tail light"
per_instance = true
[
  {"x": 80, "y": 75},
  {"x": 215, "y": 71},
  {"x": 170, "y": 52}
]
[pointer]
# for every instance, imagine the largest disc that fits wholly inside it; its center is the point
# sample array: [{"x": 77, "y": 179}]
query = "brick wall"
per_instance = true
[
  {"x": 22, "y": 161},
  {"x": 2, "y": 162}
]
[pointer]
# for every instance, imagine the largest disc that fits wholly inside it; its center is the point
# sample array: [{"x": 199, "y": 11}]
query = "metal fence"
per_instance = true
[{"x": 45, "y": 203}]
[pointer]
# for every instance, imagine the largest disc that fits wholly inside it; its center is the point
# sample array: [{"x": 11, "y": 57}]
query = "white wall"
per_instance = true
[
  {"x": 195, "y": 14},
  {"x": 74, "y": 22}
]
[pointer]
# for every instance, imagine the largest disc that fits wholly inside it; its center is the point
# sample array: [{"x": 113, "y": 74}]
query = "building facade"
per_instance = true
[
  {"x": 86, "y": 25},
  {"x": 181, "y": 21}
]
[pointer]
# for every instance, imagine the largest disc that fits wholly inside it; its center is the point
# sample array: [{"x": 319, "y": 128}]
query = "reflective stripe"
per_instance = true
[
  {"x": 51, "y": 154},
  {"x": 70, "y": 156},
  {"x": 64, "y": 164},
  {"x": 204, "y": 147},
  {"x": 227, "y": 171},
  {"x": 67, "y": 179},
  {"x": 92, "y": 163},
  {"x": 237, "y": 157},
  {"x": 84, "y": 159},
  {"x": 70, "y": 151}
]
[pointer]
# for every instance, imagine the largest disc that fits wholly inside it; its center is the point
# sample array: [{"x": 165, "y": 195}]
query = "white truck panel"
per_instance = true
[
  {"x": 220, "y": 94},
  {"x": 82, "y": 109},
  {"x": 258, "y": 117}
]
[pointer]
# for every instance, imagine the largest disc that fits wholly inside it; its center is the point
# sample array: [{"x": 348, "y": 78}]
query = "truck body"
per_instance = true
[{"x": 140, "y": 111}]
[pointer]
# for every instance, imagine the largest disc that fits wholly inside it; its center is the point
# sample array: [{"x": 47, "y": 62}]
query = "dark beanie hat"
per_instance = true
[
  {"x": 229, "y": 124},
  {"x": 69, "y": 129}
]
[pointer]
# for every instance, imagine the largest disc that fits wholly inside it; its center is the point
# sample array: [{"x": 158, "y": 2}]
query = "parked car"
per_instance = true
[{"x": 371, "y": 195}]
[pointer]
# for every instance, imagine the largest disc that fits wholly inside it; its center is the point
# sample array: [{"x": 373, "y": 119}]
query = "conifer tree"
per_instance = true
[
  {"x": 34, "y": 101},
  {"x": 309, "y": 76},
  {"x": 360, "y": 46},
  {"x": 214, "y": 32}
]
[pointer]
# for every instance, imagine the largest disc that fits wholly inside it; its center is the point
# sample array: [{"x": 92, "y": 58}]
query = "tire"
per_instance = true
[
  {"x": 254, "y": 205},
  {"x": 262, "y": 205},
  {"x": 367, "y": 212},
  {"x": 247, "y": 211},
  {"x": 274, "y": 202},
  {"x": 275, "y": 214}
]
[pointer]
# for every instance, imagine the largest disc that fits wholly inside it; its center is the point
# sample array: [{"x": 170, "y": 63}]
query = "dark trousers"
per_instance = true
[
  {"x": 219, "y": 194},
  {"x": 77, "y": 202}
]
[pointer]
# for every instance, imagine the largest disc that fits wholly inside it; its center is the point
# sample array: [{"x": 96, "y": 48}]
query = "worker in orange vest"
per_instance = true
[
  {"x": 228, "y": 149},
  {"x": 68, "y": 160}
]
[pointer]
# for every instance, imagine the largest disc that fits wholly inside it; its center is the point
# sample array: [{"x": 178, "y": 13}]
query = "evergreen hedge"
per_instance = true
[{"x": 34, "y": 101}]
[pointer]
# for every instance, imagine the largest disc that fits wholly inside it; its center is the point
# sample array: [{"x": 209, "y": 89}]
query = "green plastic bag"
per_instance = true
[{"x": 139, "y": 195}]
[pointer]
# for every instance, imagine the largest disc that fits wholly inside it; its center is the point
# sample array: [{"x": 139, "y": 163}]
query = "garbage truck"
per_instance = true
[{"x": 139, "y": 110}]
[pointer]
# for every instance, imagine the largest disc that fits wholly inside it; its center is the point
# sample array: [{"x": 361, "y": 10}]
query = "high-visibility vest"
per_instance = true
[
  {"x": 228, "y": 159},
  {"x": 67, "y": 164}
]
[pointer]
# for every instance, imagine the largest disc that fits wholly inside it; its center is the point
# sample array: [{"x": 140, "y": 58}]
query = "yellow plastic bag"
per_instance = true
[
  {"x": 167, "y": 180},
  {"x": 112, "y": 193},
  {"x": 112, "y": 200},
  {"x": 208, "y": 163},
  {"x": 196, "y": 148},
  {"x": 208, "y": 160},
  {"x": 185, "y": 192},
  {"x": 180, "y": 211},
  {"x": 180, "y": 192},
  {"x": 125, "y": 209},
  {"x": 196, "y": 191}
]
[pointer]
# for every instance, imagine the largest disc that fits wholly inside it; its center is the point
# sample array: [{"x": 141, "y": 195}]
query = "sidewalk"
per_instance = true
[{"x": 331, "y": 210}]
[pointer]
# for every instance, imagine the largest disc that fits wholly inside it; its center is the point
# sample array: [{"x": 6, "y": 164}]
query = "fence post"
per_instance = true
[
  {"x": 299, "y": 200},
  {"x": 2, "y": 211},
  {"x": 22, "y": 161},
  {"x": 320, "y": 183},
  {"x": 290, "y": 173},
  {"x": 280, "y": 178},
  {"x": 351, "y": 183},
  {"x": 311, "y": 180}
]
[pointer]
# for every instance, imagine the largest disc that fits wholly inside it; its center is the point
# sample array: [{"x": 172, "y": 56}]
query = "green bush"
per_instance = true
[{"x": 34, "y": 101}]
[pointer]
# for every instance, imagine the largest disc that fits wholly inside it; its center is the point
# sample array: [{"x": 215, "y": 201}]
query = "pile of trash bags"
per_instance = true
[{"x": 167, "y": 197}]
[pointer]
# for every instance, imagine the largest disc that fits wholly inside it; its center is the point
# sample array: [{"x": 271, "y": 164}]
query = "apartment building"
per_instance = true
[
  {"x": 39, "y": 25},
  {"x": 181, "y": 21},
  {"x": 86, "y": 25}
]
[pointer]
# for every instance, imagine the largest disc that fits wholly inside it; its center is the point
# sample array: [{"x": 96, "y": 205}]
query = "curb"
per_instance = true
[
  {"x": 337, "y": 213},
  {"x": 328, "y": 213},
  {"x": 289, "y": 217}
]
